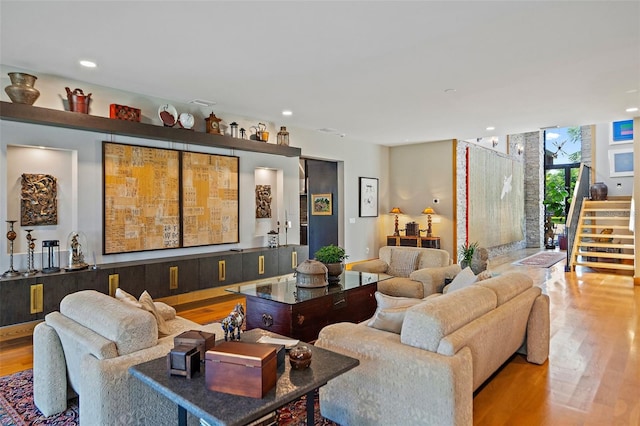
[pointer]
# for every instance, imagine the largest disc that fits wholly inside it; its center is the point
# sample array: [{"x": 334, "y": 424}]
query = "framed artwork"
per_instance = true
[
  {"x": 321, "y": 205},
  {"x": 38, "y": 200},
  {"x": 368, "y": 197},
  {"x": 622, "y": 131},
  {"x": 621, "y": 162}
]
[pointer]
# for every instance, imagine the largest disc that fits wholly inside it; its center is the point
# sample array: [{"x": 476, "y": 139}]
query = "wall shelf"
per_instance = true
[{"x": 73, "y": 120}]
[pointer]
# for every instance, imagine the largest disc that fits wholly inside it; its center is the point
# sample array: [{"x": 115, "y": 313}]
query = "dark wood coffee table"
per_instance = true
[
  {"x": 218, "y": 408},
  {"x": 280, "y": 306}
]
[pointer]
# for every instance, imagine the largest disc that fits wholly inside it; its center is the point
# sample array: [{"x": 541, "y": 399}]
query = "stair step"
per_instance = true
[
  {"x": 606, "y": 245},
  {"x": 598, "y": 235},
  {"x": 605, "y": 254},
  {"x": 597, "y": 210},
  {"x": 604, "y": 265},
  {"x": 605, "y": 226}
]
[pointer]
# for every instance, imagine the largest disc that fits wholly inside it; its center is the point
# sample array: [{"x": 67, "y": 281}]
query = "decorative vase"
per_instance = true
[
  {"x": 79, "y": 102},
  {"x": 334, "y": 270},
  {"x": 21, "y": 90},
  {"x": 599, "y": 191}
]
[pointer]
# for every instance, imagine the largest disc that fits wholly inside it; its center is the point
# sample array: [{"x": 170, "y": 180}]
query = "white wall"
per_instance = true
[
  {"x": 618, "y": 186},
  {"x": 355, "y": 159}
]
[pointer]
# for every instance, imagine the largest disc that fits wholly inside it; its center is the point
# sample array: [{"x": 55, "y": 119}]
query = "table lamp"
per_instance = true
[
  {"x": 396, "y": 211},
  {"x": 428, "y": 211}
]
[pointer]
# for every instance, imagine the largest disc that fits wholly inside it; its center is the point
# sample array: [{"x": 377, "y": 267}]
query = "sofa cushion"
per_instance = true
[
  {"x": 390, "y": 312},
  {"x": 507, "y": 286},
  {"x": 125, "y": 297},
  {"x": 465, "y": 278},
  {"x": 403, "y": 262},
  {"x": 427, "y": 323},
  {"x": 401, "y": 287},
  {"x": 147, "y": 304},
  {"x": 131, "y": 329}
]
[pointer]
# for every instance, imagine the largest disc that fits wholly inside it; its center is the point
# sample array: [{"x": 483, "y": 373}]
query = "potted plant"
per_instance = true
[
  {"x": 333, "y": 258},
  {"x": 466, "y": 253}
]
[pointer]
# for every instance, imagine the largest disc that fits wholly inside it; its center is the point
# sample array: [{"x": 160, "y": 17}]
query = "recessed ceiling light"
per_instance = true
[
  {"x": 287, "y": 112},
  {"x": 632, "y": 91},
  {"x": 88, "y": 64},
  {"x": 449, "y": 90},
  {"x": 632, "y": 109},
  {"x": 202, "y": 102},
  {"x": 491, "y": 128}
]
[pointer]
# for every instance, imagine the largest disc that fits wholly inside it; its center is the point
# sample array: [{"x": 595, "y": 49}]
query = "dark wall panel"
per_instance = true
[{"x": 322, "y": 178}]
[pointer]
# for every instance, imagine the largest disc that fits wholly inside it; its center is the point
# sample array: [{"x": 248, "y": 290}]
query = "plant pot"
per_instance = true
[{"x": 334, "y": 270}]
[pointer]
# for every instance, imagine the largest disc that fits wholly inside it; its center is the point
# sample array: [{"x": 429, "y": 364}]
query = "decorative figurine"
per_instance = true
[
  {"x": 75, "y": 243},
  {"x": 233, "y": 323},
  {"x": 213, "y": 124},
  {"x": 283, "y": 136},
  {"x": 234, "y": 129},
  {"x": 11, "y": 236},
  {"x": 31, "y": 245}
]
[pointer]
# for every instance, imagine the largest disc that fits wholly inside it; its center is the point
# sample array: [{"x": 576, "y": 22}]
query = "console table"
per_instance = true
[
  {"x": 298, "y": 312},
  {"x": 413, "y": 241}
]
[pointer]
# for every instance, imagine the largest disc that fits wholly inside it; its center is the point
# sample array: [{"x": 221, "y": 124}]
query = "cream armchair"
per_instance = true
[{"x": 417, "y": 272}]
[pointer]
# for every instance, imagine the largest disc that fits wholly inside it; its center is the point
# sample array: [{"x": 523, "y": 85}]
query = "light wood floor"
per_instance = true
[{"x": 592, "y": 376}]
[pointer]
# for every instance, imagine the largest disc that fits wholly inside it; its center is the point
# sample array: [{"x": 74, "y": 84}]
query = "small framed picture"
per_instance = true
[
  {"x": 368, "y": 197},
  {"x": 622, "y": 131},
  {"x": 621, "y": 162},
  {"x": 321, "y": 205}
]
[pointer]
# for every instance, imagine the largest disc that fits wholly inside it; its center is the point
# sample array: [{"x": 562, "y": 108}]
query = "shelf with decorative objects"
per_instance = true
[{"x": 72, "y": 120}]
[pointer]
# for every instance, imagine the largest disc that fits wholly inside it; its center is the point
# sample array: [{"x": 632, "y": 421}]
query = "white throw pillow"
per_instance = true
[
  {"x": 465, "y": 278},
  {"x": 167, "y": 312},
  {"x": 389, "y": 315},
  {"x": 147, "y": 304},
  {"x": 125, "y": 297},
  {"x": 403, "y": 262}
]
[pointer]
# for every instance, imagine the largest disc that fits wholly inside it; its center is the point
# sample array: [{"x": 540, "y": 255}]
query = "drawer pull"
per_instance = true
[
  {"x": 222, "y": 271},
  {"x": 267, "y": 320},
  {"x": 260, "y": 265}
]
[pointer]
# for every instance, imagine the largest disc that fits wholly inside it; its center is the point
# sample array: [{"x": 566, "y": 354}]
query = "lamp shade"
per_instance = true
[
  {"x": 428, "y": 210},
  {"x": 396, "y": 210}
]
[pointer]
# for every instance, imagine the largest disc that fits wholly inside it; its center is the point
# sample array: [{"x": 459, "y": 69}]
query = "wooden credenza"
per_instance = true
[{"x": 413, "y": 241}]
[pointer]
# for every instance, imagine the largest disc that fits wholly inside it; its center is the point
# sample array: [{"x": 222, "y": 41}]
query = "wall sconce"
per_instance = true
[
  {"x": 396, "y": 211},
  {"x": 429, "y": 211},
  {"x": 519, "y": 149},
  {"x": 494, "y": 141}
]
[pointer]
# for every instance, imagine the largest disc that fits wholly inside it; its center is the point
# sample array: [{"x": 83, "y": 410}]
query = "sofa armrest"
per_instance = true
[
  {"x": 538, "y": 331},
  {"x": 433, "y": 388},
  {"x": 49, "y": 371},
  {"x": 375, "y": 266},
  {"x": 433, "y": 278}
]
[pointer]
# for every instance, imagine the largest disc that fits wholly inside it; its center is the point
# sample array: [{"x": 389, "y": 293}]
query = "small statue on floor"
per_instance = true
[
  {"x": 548, "y": 233},
  {"x": 233, "y": 323}
]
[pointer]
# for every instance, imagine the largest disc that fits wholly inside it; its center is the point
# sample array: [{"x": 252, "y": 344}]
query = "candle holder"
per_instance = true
[
  {"x": 31, "y": 245},
  {"x": 11, "y": 236},
  {"x": 52, "y": 248}
]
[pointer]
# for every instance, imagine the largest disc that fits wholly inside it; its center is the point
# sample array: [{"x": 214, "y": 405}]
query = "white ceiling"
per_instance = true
[{"x": 376, "y": 71}]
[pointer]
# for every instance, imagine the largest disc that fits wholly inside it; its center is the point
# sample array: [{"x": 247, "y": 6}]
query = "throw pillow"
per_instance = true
[
  {"x": 125, "y": 297},
  {"x": 464, "y": 279},
  {"x": 389, "y": 315},
  {"x": 403, "y": 262},
  {"x": 148, "y": 305},
  {"x": 167, "y": 312}
]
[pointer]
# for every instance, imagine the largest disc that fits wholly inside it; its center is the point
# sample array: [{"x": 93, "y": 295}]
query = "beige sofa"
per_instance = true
[
  {"x": 417, "y": 272},
  {"x": 447, "y": 347},
  {"x": 86, "y": 349}
]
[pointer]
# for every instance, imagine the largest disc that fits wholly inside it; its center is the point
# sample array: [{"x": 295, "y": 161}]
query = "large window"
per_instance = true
[{"x": 562, "y": 148}]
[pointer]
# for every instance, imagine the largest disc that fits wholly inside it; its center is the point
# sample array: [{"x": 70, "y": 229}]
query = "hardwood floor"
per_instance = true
[{"x": 592, "y": 376}]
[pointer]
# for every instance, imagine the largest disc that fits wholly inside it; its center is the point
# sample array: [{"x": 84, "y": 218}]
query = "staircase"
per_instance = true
[{"x": 603, "y": 239}]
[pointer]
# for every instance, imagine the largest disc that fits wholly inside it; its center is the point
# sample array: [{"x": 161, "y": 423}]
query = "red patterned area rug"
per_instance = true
[
  {"x": 542, "y": 259},
  {"x": 17, "y": 407}
]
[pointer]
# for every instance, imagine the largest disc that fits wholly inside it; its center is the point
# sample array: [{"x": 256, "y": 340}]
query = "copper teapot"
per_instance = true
[{"x": 78, "y": 101}]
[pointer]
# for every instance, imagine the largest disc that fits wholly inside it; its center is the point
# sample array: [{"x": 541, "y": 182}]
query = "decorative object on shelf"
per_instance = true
[
  {"x": 300, "y": 357},
  {"x": 263, "y": 201},
  {"x": 52, "y": 250},
  {"x": 412, "y": 229},
  {"x": 78, "y": 101},
  {"x": 168, "y": 115},
  {"x": 429, "y": 211},
  {"x": 123, "y": 112},
  {"x": 186, "y": 121},
  {"x": 31, "y": 245},
  {"x": 272, "y": 239},
  {"x": 368, "y": 197},
  {"x": 262, "y": 132},
  {"x": 312, "y": 274},
  {"x": 183, "y": 360},
  {"x": 321, "y": 205},
  {"x": 11, "y": 236},
  {"x": 213, "y": 124},
  {"x": 234, "y": 129},
  {"x": 21, "y": 90},
  {"x": 233, "y": 323},
  {"x": 466, "y": 253},
  {"x": 38, "y": 200},
  {"x": 283, "y": 136},
  {"x": 243, "y": 133},
  {"x": 76, "y": 242},
  {"x": 396, "y": 211},
  {"x": 599, "y": 191},
  {"x": 333, "y": 258}
]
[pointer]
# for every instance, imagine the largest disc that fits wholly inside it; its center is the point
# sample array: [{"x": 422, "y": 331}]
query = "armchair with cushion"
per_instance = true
[{"x": 417, "y": 272}]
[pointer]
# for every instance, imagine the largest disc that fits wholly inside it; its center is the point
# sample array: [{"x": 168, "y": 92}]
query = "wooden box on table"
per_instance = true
[{"x": 200, "y": 339}]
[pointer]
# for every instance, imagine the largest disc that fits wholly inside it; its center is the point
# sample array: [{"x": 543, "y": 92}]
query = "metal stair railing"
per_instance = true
[{"x": 580, "y": 192}]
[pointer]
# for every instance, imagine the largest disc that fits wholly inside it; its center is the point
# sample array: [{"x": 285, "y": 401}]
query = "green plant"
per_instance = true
[
  {"x": 466, "y": 252},
  {"x": 556, "y": 196},
  {"x": 330, "y": 254}
]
